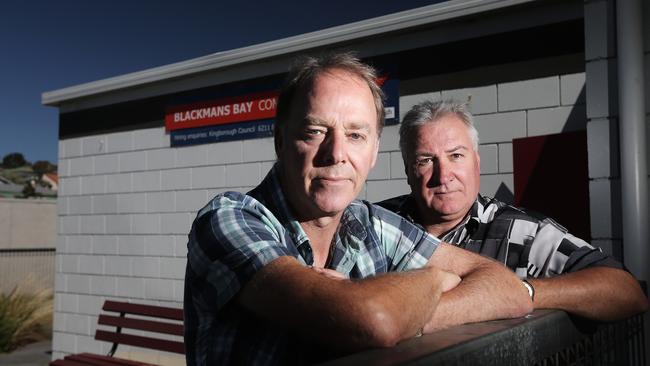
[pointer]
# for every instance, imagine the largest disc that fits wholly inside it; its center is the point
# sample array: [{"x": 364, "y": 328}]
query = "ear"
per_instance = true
[
  {"x": 406, "y": 171},
  {"x": 408, "y": 176},
  {"x": 478, "y": 162},
  {"x": 375, "y": 153},
  {"x": 277, "y": 140}
]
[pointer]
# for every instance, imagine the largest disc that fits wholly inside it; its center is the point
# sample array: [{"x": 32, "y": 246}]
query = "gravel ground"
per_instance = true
[{"x": 35, "y": 354}]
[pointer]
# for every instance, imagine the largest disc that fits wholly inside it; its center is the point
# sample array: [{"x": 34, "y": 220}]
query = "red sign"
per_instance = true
[{"x": 242, "y": 108}]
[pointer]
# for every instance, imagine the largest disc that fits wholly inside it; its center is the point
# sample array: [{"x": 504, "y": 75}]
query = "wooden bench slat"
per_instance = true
[
  {"x": 149, "y": 310},
  {"x": 162, "y": 320},
  {"x": 141, "y": 324},
  {"x": 89, "y": 361},
  {"x": 100, "y": 360},
  {"x": 139, "y": 341},
  {"x": 65, "y": 362}
]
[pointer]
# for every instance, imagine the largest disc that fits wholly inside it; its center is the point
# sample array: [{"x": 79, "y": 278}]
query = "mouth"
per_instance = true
[
  {"x": 331, "y": 180},
  {"x": 444, "y": 193},
  {"x": 334, "y": 179}
]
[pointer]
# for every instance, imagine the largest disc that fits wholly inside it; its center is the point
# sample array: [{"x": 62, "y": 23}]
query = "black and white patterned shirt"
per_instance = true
[{"x": 527, "y": 242}]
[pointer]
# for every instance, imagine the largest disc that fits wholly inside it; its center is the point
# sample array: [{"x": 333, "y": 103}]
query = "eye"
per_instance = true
[
  {"x": 357, "y": 136},
  {"x": 312, "y": 133},
  {"x": 456, "y": 156},
  {"x": 423, "y": 161}
]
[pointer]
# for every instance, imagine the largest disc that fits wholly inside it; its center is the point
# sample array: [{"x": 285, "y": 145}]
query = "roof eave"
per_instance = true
[{"x": 330, "y": 36}]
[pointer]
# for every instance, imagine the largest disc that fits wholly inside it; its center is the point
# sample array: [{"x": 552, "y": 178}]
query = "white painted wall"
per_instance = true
[{"x": 127, "y": 200}]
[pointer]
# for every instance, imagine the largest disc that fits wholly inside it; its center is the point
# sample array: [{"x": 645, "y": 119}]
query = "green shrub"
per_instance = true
[{"x": 25, "y": 317}]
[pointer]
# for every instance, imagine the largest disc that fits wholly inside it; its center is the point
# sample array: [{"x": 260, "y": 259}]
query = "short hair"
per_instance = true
[
  {"x": 430, "y": 112},
  {"x": 307, "y": 68}
]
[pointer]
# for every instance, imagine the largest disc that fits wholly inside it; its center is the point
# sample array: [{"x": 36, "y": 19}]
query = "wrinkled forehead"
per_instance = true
[
  {"x": 310, "y": 92},
  {"x": 444, "y": 132}
]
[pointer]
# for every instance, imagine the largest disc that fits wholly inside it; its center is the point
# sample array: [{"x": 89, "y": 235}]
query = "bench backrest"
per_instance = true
[{"x": 149, "y": 318}]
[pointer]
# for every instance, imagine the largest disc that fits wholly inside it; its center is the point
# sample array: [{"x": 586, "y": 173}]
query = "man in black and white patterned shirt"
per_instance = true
[{"x": 439, "y": 146}]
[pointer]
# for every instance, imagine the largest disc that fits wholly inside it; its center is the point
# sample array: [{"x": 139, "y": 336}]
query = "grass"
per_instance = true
[
  {"x": 18, "y": 175},
  {"x": 25, "y": 317}
]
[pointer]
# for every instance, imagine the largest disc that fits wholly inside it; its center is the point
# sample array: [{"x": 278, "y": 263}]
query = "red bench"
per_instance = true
[{"x": 152, "y": 319}]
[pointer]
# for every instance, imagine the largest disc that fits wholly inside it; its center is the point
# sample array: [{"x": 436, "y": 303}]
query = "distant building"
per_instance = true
[
  {"x": 52, "y": 179},
  {"x": 9, "y": 189}
]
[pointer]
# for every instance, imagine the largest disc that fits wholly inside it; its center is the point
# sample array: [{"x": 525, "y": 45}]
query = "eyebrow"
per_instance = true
[
  {"x": 430, "y": 154},
  {"x": 315, "y": 121},
  {"x": 349, "y": 125},
  {"x": 456, "y": 148}
]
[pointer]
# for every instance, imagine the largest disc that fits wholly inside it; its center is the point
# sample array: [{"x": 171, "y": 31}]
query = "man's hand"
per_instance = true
[
  {"x": 329, "y": 273},
  {"x": 488, "y": 290},
  {"x": 449, "y": 280}
]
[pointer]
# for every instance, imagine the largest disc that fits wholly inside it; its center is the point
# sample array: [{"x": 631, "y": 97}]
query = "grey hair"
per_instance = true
[{"x": 430, "y": 112}]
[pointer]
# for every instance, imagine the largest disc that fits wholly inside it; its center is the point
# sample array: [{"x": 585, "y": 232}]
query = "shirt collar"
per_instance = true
[
  {"x": 408, "y": 209},
  {"x": 270, "y": 194},
  {"x": 351, "y": 228},
  {"x": 471, "y": 222}
]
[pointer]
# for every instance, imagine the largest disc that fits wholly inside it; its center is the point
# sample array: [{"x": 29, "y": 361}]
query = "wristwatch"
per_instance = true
[{"x": 530, "y": 288}]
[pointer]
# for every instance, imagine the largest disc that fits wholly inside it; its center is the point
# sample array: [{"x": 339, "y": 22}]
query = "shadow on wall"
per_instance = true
[
  {"x": 577, "y": 119},
  {"x": 551, "y": 175},
  {"x": 504, "y": 194},
  {"x": 551, "y": 171}
]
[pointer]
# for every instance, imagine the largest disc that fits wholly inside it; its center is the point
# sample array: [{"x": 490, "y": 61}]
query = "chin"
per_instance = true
[{"x": 332, "y": 206}]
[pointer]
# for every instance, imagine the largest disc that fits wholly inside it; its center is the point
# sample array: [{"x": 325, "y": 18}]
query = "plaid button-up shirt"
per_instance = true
[{"x": 236, "y": 235}]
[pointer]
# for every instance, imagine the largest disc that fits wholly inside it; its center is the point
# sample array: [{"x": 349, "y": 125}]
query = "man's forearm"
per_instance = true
[
  {"x": 488, "y": 291},
  {"x": 599, "y": 293},
  {"x": 373, "y": 312}
]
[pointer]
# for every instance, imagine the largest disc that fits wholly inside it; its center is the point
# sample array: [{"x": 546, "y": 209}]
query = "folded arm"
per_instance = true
[
  {"x": 599, "y": 293},
  {"x": 373, "y": 312},
  {"x": 488, "y": 290}
]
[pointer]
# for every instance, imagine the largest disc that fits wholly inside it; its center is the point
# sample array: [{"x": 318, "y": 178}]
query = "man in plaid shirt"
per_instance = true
[{"x": 298, "y": 270}]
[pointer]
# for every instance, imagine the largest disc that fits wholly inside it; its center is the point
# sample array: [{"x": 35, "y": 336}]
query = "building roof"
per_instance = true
[
  {"x": 52, "y": 176},
  {"x": 356, "y": 31}
]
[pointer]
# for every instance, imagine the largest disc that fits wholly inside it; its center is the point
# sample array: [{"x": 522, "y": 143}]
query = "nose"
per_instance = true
[
  {"x": 443, "y": 173},
  {"x": 333, "y": 149}
]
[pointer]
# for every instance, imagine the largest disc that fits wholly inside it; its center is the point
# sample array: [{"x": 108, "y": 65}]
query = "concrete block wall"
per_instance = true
[
  {"x": 602, "y": 125},
  {"x": 28, "y": 223},
  {"x": 127, "y": 200},
  {"x": 504, "y": 111},
  {"x": 602, "y": 116}
]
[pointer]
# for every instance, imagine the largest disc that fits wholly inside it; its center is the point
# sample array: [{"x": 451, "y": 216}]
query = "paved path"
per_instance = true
[{"x": 35, "y": 354}]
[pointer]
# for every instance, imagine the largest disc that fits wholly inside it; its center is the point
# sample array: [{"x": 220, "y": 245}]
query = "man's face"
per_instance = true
[
  {"x": 329, "y": 145},
  {"x": 443, "y": 170}
]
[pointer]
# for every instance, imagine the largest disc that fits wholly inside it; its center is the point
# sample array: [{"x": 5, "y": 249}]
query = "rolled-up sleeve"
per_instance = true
[
  {"x": 555, "y": 251},
  {"x": 231, "y": 239}
]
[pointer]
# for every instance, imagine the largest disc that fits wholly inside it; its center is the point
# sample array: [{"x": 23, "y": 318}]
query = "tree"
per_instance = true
[
  {"x": 13, "y": 160},
  {"x": 42, "y": 166}
]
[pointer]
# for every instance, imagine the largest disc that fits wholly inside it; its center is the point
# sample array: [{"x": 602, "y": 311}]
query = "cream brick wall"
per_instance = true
[{"x": 128, "y": 199}]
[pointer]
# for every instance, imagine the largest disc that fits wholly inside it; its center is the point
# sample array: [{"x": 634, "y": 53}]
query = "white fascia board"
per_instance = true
[{"x": 330, "y": 36}]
